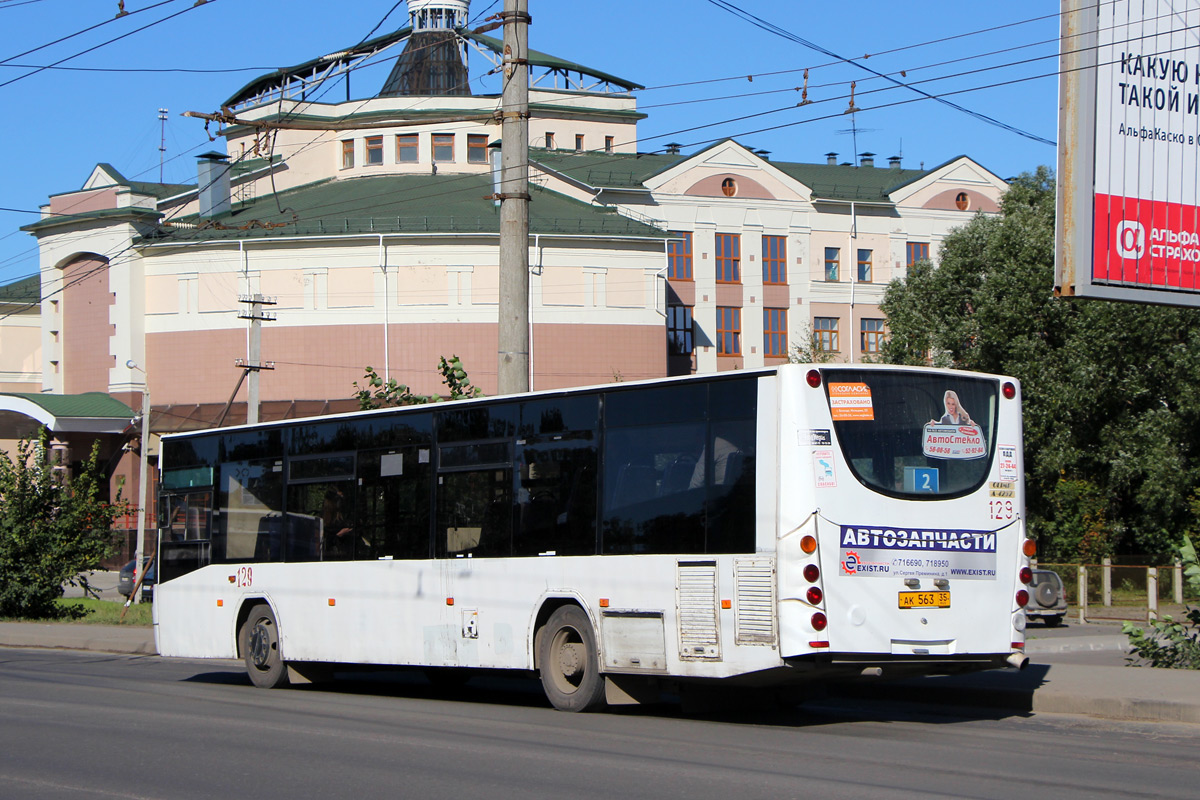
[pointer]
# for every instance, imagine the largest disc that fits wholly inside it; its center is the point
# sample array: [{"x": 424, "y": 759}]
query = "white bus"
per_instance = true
[{"x": 755, "y": 528}]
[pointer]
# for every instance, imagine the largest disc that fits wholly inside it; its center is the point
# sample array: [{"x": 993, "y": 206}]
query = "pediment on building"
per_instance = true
[{"x": 728, "y": 170}]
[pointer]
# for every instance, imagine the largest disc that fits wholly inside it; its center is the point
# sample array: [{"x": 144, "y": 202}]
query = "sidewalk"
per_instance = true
[{"x": 1050, "y": 684}]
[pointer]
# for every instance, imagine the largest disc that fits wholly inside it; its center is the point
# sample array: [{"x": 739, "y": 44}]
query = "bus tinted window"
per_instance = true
[
  {"x": 477, "y": 422},
  {"x": 250, "y": 526},
  {"x": 393, "y": 518},
  {"x": 679, "y": 478},
  {"x": 556, "y": 494},
  {"x": 913, "y": 434}
]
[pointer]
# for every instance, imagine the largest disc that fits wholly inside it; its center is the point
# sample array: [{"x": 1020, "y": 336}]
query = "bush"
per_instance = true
[
  {"x": 51, "y": 530},
  {"x": 1171, "y": 644}
]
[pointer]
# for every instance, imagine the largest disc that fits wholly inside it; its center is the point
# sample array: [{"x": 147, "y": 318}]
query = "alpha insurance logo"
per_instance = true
[{"x": 1131, "y": 239}]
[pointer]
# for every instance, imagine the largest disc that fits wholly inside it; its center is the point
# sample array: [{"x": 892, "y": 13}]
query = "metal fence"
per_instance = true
[{"x": 1134, "y": 592}]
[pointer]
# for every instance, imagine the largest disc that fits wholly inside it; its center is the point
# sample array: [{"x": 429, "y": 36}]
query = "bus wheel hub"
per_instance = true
[{"x": 570, "y": 660}]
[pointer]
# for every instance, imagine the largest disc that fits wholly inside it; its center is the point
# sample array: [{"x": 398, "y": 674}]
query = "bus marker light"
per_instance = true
[
  {"x": 808, "y": 544},
  {"x": 819, "y": 621},
  {"x": 813, "y": 378},
  {"x": 814, "y": 595},
  {"x": 604, "y": 602},
  {"x": 818, "y": 644},
  {"x": 727, "y": 604},
  {"x": 233, "y": 579},
  {"x": 1026, "y": 575},
  {"x": 1029, "y": 548},
  {"x": 1018, "y": 645},
  {"x": 220, "y": 603},
  {"x": 449, "y": 601},
  {"x": 332, "y": 602},
  {"x": 1022, "y": 598},
  {"x": 1010, "y": 390},
  {"x": 811, "y": 573}
]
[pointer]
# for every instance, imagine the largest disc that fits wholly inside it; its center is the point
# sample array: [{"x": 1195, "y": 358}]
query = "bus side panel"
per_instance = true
[{"x": 473, "y": 612}]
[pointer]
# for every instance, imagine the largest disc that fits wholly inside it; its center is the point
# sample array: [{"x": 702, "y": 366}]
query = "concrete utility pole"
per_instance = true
[
  {"x": 253, "y": 363},
  {"x": 513, "y": 322}
]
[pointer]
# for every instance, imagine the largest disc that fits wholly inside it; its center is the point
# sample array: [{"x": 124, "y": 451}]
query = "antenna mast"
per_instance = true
[{"x": 162, "y": 145}]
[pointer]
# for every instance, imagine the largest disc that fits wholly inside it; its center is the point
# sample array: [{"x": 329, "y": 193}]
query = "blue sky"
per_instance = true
[{"x": 996, "y": 60}]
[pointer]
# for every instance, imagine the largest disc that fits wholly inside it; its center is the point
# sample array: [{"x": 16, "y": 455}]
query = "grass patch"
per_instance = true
[{"x": 101, "y": 612}]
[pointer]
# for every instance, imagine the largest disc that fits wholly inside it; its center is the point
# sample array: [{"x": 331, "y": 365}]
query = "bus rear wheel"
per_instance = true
[
  {"x": 569, "y": 662},
  {"x": 258, "y": 640}
]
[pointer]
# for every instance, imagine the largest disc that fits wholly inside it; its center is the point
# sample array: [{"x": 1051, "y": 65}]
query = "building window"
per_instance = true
[
  {"x": 729, "y": 258},
  {"x": 962, "y": 202},
  {"x": 825, "y": 334},
  {"x": 579, "y": 142},
  {"x": 406, "y": 149},
  {"x": 864, "y": 266},
  {"x": 833, "y": 261},
  {"x": 729, "y": 187},
  {"x": 774, "y": 259},
  {"x": 374, "y": 150},
  {"x": 679, "y": 256},
  {"x": 729, "y": 331},
  {"x": 775, "y": 335},
  {"x": 871, "y": 334},
  {"x": 917, "y": 251},
  {"x": 608, "y": 144},
  {"x": 679, "y": 331},
  {"x": 347, "y": 154},
  {"x": 443, "y": 147},
  {"x": 549, "y": 141},
  {"x": 477, "y": 148}
]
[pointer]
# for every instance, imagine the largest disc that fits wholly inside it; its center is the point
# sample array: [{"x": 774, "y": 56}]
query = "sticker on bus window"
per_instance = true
[
  {"x": 953, "y": 441},
  {"x": 850, "y": 401},
  {"x": 1006, "y": 460},
  {"x": 824, "y": 470},
  {"x": 391, "y": 464}
]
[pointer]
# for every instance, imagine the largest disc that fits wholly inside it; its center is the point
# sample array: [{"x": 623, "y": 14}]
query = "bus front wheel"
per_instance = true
[
  {"x": 569, "y": 662},
  {"x": 258, "y": 640}
]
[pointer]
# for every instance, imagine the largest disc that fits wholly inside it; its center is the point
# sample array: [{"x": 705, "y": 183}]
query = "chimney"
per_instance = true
[
  {"x": 831, "y": 159},
  {"x": 213, "y": 174},
  {"x": 866, "y": 159},
  {"x": 765, "y": 155},
  {"x": 894, "y": 162},
  {"x": 672, "y": 148}
]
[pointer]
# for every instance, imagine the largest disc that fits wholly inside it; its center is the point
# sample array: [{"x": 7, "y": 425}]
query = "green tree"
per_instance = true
[
  {"x": 51, "y": 531},
  {"x": 1111, "y": 405},
  {"x": 377, "y": 393}
]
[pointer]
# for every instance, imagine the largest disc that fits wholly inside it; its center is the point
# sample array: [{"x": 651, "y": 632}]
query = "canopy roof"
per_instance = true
[{"x": 23, "y": 413}]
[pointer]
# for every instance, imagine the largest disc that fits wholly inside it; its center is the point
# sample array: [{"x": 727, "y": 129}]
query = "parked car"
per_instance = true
[
  {"x": 128, "y": 576},
  {"x": 1047, "y": 598}
]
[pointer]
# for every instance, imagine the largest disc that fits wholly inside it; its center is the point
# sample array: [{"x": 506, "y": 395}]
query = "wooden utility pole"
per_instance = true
[{"x": 513, "y": 322}]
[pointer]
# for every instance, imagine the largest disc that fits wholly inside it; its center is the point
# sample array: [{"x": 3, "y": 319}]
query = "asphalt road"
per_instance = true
[{"x": 77, "y": 725}]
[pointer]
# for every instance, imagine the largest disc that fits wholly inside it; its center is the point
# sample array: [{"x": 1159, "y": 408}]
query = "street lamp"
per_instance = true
[{"x": 135, "y": 597}]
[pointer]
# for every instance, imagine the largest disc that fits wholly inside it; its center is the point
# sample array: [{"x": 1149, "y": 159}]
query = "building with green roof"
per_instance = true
[{"x": 330, "y": 234}]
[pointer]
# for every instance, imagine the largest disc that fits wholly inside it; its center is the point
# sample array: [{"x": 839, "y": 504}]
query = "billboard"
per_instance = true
[{"x": 1129, "y": 151}]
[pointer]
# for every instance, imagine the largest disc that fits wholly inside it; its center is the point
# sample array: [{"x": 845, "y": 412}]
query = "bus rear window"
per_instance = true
[{"x": 913, "y": 434}]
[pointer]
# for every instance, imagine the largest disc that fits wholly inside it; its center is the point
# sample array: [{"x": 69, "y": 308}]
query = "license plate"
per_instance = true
[{"x": 924, "y": 599}]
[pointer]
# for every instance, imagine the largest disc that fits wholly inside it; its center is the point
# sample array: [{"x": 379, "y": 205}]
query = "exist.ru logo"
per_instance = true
[{"x": 850, "y": 562}]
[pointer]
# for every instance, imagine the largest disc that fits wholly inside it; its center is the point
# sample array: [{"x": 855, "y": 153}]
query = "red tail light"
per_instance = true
[
  {"x": 814, "y": 595},
  {"x": 1010, "y": 390},
  {"x": 811, "y": 573},
  {"x": 819, "y": 622},
  {"x": 1022, "y": 598},
  {"x": 813, "y": 378},
  {"x": 1026, "y": 575}
]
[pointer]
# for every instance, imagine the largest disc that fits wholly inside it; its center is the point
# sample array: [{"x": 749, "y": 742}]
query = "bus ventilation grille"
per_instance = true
[
  {"x": 696, "y": 596},
  {"x": 754, "y": 620}
]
